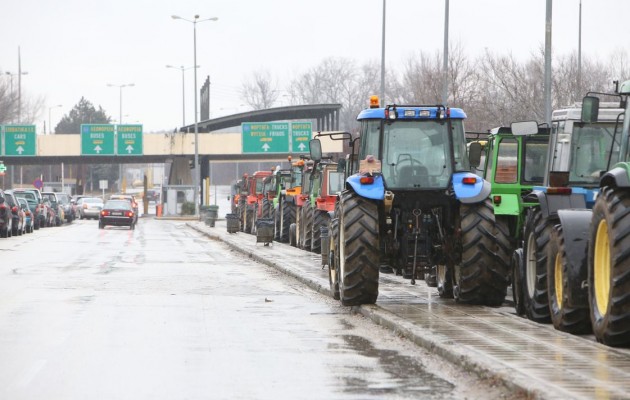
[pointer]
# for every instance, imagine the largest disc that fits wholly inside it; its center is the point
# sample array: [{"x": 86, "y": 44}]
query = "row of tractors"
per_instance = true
[
  {"x": 542, "y": 209},
  {"x": 297, "y": 199}
]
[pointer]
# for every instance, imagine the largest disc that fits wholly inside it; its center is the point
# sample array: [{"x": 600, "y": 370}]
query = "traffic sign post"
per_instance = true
[
  {"x": 129, "y": 139},
  {"x": 97, "y": 140},
  {"x": 301, "y": 133},
  {"x": 19, "y": 140},
  {"x": 272, "y": 137}
]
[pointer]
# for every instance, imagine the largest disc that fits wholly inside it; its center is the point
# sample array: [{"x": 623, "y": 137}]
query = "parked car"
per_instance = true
[
  {"x": 50, "y": 216},
  {"x": 16, "y": 211},
  {"x": 6, "y": 217},
  {"x": 41, "y": 213},
  {"x": 131, "y": 199},
  {"x": 89, "y": 207},
  {"x": 28, "y": 215},
  {"x": 33, "y": 205},
  {"x": 69, "y": 208},
  {"x": 117, "y": 213},
  {"x": 57, "y": 207}
]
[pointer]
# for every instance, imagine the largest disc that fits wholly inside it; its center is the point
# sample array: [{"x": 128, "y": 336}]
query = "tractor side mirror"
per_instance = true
[
  {"x": 316, "y": 149},
  {"x": 523, "y": 128},
  {"x": 474, "y": 154},
  {"x": 590, "y": 109}
]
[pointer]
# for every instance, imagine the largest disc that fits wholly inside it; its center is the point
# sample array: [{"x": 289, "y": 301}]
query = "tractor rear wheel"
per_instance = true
[
  {"x": 609, "y": 267},
  {"x": 482, "y": 276},
  {"x": 307, "y": 222},
  {"x": 333, "y": 258},
  {"x": 536, "y": 237},
  {"x": 358, "y": 250},
  {"x": 517, "y": 265},
  {"x": 564, "y": 316},
  {"x": 287, "y": 217},
  {"x": 320, "y": 218}
]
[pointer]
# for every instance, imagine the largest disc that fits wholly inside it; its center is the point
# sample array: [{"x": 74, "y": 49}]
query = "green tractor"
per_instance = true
[{"x": 514, "y": 162}]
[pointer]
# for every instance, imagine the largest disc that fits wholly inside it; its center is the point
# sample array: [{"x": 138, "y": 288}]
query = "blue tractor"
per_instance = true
[{"x": 411, "y": 203}]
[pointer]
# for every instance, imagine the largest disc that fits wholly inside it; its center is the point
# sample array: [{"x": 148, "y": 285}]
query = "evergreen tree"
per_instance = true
[{"x": 82, "y": 113}]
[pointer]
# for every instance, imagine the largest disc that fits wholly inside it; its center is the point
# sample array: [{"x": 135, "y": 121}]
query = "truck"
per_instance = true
[
  {"x": 514, "y": 162},
  {"x": 579, "y": 152},
  {"x": 413, "y": 203}
]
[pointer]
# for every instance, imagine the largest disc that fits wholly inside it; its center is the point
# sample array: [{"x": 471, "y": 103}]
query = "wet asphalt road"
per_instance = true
[{"x": 164, "y": 313}]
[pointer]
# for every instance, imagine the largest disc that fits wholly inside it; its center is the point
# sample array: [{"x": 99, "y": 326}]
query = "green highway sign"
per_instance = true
[
  {"x": 301, "y": 133},
  {"x": 97, "y": 140},
  {"x": 265, "y": 137},
  {"x": 19, "y": 140},
  {"x": 129, "y": 140}
]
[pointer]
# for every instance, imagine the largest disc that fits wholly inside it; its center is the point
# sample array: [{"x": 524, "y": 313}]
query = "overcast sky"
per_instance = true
[{"x": 74, "y": 48}]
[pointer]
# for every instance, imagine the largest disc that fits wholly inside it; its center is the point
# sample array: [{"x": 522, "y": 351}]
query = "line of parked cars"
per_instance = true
[{"x": 27, "y": 210}]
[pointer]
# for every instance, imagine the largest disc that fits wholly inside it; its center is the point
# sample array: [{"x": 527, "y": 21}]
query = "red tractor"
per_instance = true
[
  {"x": 254, "y": 199},
  {"x": 332, "y": 179}
]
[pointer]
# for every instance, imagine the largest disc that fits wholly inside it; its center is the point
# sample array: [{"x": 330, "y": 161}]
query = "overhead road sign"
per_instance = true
[
  {"x": 129, "y": 138},
  {"x": 19, "y": 140},
  {"x": 301, "y": 134},
  {"x": 97, "y": 139},
  {"x": 268, "y": 137}
]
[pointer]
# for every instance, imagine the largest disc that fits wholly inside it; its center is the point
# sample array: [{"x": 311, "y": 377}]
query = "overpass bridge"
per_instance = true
[{"x": 216, "y": 145}]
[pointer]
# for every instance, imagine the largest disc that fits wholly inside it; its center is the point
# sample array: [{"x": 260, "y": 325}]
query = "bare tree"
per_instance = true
[{"x": 260, "y": 92}]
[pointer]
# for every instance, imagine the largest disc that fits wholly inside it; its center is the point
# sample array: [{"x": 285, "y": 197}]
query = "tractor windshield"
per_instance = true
[
  {"x": 335, "y": 182},
  {"x": 416, "y": 153},
  {"x": 590, "y": 150},
  {"x": 535, "y": 160}
]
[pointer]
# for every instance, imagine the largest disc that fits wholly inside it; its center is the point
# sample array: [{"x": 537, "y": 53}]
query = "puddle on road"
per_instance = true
[{"x": 406, "y": 376}]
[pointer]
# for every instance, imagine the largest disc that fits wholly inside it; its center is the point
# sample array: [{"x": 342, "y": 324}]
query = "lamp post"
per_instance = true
[
  {"x": 49, "y": 123},
  {"x": 19, "y": 96},
  {"x": 183, "y": 90},
  {"x": 120, "y": 169},
  {"x": 120, "y": 102},
  {"x": 194, "y": 21}
]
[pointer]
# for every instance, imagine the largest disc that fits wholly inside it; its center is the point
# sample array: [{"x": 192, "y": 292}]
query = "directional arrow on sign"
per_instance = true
[
  {"x": 266, "y": 147},
  {"x": 98, "y": 149},
  {"x": 20, "y": 150},
  {"x": 301, "y": 147},
  {"x": 129, "y": 149}
]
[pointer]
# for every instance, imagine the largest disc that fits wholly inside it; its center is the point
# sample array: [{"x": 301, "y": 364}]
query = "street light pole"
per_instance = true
[
  {"x": 183, "y": 90},
  {"x": 120, "y": 168},
  {"x": 19, "y": 96},
  {"x": 197, "y": 169},
  {"x": 49, "y": 123}
]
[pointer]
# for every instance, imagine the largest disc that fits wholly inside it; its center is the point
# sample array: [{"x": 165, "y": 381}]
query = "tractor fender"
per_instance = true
[
  {"x": 467, "y": 193},
  {"x": 509, "y": 204},
  {"x": 374, "y": 191},
  {"x": 576, "y": 231},
  {"x": 550, "y": 203},
  {"x": 616, "y": 177}
]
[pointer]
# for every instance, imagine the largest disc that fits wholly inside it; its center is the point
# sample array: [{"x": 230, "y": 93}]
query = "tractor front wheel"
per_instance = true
[
  {"x": 358, "y": 250},
  {"x": 609, "y": 268}
]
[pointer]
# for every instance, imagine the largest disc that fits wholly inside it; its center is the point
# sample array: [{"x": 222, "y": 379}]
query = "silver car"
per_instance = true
[{"x": 89, "y": 207}]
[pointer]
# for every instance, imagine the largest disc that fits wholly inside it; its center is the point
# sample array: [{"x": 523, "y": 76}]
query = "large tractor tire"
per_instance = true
[
  {"x": 266, "y": 208},
  {"x": 320, "y": 218},
  {"x": 609, "y": 267},
  {"x": 564, "y": 316},
  {"x": 482, "y": 276},
  {"x": 333, "y": 258},
  {"x": 249, "y": 219},
  {"x": 536, "y": 237},
  {"x": 444, "y": 280},
  {"x": 517, "y": 265},
  {"x": 287, "y": 217},
  {"x": 358, "y": 250},
  {"x": 307, "y": 222}
]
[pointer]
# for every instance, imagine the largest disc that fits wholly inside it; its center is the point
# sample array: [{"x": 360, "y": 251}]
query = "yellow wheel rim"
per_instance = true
[
  {"x": 601, "y": 268},
  {"x": 558, "y": 280}
]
